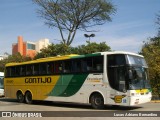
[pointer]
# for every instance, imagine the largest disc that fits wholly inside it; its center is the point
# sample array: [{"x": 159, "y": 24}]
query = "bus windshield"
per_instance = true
[
  {"x": 127, "y": 72},
  {"x": 138, "y": 78}
]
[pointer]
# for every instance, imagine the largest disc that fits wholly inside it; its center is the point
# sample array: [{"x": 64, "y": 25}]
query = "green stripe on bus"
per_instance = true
[
  {"x": 61, "y": 85},
  {"x": 74, "y": 85}
]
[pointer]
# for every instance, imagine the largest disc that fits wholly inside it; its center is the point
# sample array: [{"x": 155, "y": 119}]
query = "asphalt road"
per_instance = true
[{"x": 67, "y": 110}]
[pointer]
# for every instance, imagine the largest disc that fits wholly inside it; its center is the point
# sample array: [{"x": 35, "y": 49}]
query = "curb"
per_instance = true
[{"x": 155, "y": 101}]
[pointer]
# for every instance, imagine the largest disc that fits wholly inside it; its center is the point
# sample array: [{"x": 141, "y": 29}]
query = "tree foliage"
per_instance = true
[
  {"x": 53, "y": 50},
  {"x": 91, "y": 47},
  {"x": 70, "y": 15},
  {"x": 13, "y": 58},
  {"x": 151, "y": 52},
  {"x": 61, "y": 49}
]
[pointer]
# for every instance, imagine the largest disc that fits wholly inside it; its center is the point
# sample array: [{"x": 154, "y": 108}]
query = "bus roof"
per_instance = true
[
  {"x": 120, "y": 52},
  {"x": 57, "y": 58}
]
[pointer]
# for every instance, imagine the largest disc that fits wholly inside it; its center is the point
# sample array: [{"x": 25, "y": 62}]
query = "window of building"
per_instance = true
[{"x": 31, "y": 46}]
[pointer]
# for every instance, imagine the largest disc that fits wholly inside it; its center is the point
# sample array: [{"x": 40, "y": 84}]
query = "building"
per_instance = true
[
  {"x": 5, "y": 55},
  {"x": 27, "y": 48},
  {"x": 1, "y": 57},
  {"x": 42, "y": 44}
]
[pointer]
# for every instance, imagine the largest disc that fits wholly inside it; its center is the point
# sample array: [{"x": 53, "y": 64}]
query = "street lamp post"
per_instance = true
[{"x": 88, "y": 36}]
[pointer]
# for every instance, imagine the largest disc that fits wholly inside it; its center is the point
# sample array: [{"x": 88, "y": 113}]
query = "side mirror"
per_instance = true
[
  {"x": 130, "y": 74},
  {"x": 122, "y": 86}
]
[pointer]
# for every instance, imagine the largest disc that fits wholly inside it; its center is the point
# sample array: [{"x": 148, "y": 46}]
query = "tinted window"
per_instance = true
[
  {"x": 29, "y": 70},
  {"x": 76, "y": 65},
  {"x": 136, "y": 60},
  {"x": 97, "y": 63},
  {"x": 58, "y": 67},
  {"x": 50, "y": 68},
  {"x": 116, "y": 71},
  {"x": 67, "y": 65},
  {"x": 35, "y": 69},
  {"x": 42, "y": 69},
  {"x": 7, "y": 72},
  {"x": 92, "y": 64},
  {"x": 114, "y": 60}
]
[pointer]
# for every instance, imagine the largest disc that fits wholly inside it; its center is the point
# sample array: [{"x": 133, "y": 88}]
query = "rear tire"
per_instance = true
[
  {"x": 97, "y": 101},
  {"x": 20, "y": 97},
  {"x": 28, "y": 97}
]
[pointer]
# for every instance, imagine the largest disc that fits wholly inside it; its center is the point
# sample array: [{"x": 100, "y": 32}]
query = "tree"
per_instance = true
[
  {"x": 13, "y": 58},
  {"x": 61, "y": 49},
  {"x": 151, "y": 52},
  {"x": 70, "y": 15},
  {"x": 158, "y": 23},
  {"x": 91, "y": 47},
  {"x": 53, "y": 50}
]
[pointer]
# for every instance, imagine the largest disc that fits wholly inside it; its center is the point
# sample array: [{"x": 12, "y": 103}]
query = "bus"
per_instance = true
[
  {"x": 1, "y": 84},
  {"x": 99, "y": 79}
]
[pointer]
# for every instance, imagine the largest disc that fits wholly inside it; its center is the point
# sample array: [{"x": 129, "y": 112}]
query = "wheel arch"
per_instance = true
[
  {"x": 95, "y": 92},
  {"x": 28, "y": 91},
  {"x": 19, "y": 90}
]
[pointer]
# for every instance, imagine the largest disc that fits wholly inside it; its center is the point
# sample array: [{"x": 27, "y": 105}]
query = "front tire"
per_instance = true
[
  {"x": 97, "y": 101},
  {"x": 28, "y": 97}
]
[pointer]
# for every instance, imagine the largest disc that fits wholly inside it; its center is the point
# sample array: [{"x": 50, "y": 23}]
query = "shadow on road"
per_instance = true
[
  {"x": 83, "y": 106},
  {"x": 69, "y": 105}
]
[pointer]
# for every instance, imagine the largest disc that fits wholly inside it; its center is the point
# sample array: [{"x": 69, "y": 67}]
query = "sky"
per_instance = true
[{"x": 133, "y": 23}]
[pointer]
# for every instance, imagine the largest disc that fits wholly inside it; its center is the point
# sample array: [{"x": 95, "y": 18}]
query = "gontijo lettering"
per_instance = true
[{"x": 38, "y": 80}]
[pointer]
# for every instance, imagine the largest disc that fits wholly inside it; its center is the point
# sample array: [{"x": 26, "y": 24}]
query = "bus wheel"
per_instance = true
[
  {"x": 97, "y": 101},
  {"x": 20, "y": 97},
  {"x": 28, "y": 97}
]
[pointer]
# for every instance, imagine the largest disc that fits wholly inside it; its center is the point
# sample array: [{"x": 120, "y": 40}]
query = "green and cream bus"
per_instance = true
[{"x": 113, "y": 78}]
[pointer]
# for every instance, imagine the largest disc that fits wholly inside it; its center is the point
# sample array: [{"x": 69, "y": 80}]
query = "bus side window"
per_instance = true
[
  {"x": 76, "y": 65},
  {"x": 13, "y": 71},
  {"x": 98, "y": 64},
  {"x": 50, "y": 68},
  {"x": 58, "y": 67},
  {"x": 23, "y": 70},
  {"x": 67, "y": 66},
  {"x": 17, "y": 71},
  {"x": 29, "y": 70},
  {"x": 42, "y": 68},
  {"x": 36, "y": 69},
  {"x": 8, "y": 72},
  {"x": 87, "y": 64}
]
